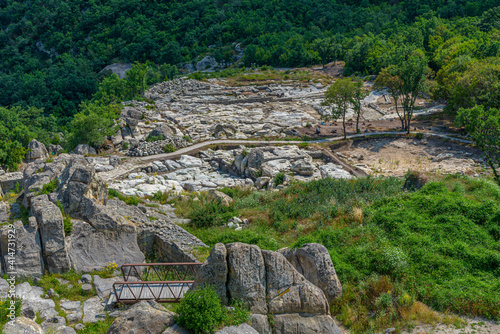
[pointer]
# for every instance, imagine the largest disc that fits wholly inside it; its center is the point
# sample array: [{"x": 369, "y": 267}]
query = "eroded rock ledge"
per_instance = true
[{"x": 272, "y": 288}]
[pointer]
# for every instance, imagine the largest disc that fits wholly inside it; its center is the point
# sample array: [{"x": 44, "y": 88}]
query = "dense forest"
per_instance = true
[{"x": 53, "y": 51}]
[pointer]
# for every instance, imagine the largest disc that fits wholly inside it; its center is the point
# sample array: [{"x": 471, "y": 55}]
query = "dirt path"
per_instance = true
[{"x": 135, "y": 163}]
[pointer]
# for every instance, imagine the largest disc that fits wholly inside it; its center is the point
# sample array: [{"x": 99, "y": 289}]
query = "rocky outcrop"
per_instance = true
[
  {"x": 22, "y": 325},
  {"x": 142, "y": 318},
  {"x": 241, "y": 329},
  {"x": 50, "y": 222},
  {"x": 314, "y": 262},
  {"x": 174, "y": 244},
  {"x": 213, "y": 272},
  {"x": 90, "y": 249},
  {"x": 268, "y": 283},
  {"x": 84, "y": 149},
  {"x": 247, "y": 276},
  {"x": 29, "y": 262},
  {"x": 119, "y": 69},
  {"x": 288, "y": 291},
  {"x": 101, "y": 234},
  {"x": 206, "y": 63},
  {"x": 36, "y": 150},
  {"x": 305, "y": 324},
  {"x": 11, "y": 181}
]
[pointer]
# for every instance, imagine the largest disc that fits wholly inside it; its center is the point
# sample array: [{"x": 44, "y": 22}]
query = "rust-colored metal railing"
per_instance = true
[{"x": 162, "y": 282}]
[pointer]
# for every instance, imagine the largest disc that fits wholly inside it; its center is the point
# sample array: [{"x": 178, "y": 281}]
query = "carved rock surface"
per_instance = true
[
  {"x": 247, "y": 276},
  {"x": 214, "y": 272},
  {"x": 305, "y": 324},
  {"x": 28, "y": 249},
  {"x": 288, "y": 291},
  {"x": 50, "y": 222},
  {"x": 314, "y": 262}
]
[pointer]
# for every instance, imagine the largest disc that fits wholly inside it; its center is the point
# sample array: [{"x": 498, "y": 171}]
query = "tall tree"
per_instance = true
[
  {"x": 406, "y": 79},
  {"x": 483, "y": 126},
  {"x": 358, "y": 96},
  {"x": 339, "y": 96}
]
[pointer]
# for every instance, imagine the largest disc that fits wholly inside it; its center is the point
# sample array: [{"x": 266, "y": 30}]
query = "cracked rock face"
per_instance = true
[{"x": 268, "y": 283}]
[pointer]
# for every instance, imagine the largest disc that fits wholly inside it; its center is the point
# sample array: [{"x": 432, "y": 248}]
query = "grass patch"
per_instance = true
[
  {"x": 130, "y": 200},
  {"x": 48, "y": 188},
  {"x": 97, "y": 327},
  {"x": 400, "y": 254}
]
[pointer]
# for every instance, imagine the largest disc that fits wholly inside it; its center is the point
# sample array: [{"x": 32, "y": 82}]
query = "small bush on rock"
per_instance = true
[{"x": 200, "y": 310}]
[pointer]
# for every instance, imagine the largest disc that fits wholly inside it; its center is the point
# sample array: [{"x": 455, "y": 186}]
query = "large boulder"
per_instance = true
[
  {"x": 213, "y": 272},
  {"x": 303, "y": 168},
  {"x": 331, "y": 170},
  {"x": 29, "y": 262},
  {"x": 91, "y": 249},
  {"x": 50, "y": 222},
  {"x": 288, "y": 291},
  {"x": 36, "y": 150},
  {"x": 119, "y": 69},
  {"x": 268, "y": 283},
  {"x": 305, "y": 324},
  {"x": 162, "y": 130},
  {"x": 83, "y": 149},
  {"x": 4, "y": 211},
  {"x": 314, "y": 262},
  {"x": 206, "y": 63},
  {"x": 247, "y": 276},
  {"x": 22, "y": 325},
  {"x": 240, "y": 329},
  {"x": 32, "y": 298},
  {"x": 142, "y": 318}
]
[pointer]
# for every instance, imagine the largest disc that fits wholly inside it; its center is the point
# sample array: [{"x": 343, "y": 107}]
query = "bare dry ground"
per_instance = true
[{"x": 395, "y": 156}]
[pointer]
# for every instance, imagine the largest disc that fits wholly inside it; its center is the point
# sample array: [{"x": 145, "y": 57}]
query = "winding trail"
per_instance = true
[
  {"x": 197, "y": 146},
  {"x": 136, "y": 163}
]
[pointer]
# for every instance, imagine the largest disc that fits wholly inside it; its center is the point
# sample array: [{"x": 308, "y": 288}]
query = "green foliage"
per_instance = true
[
  {"x": 406, "y": 79},
  {"x": 125, "y": 146},
  {"x": 169, "y": 148},
  {"x": 160, "y": 196},
  {"x": 279, "y": 178},
  {"x": 5, "y": 311},
  {"x": 200, "y": 310},
  {"x": 97, "y": 327},
  {"x": 71, "y": 290},
  {"x": 209, "y": 212},
  {"x": 68, "y": 225},
  {"x": 438, "y": 245},
  {"x": 151, "y": 139},
  {"x": 484, "y": 128},
  {"x": 18, "y": 126},
  {"x": 93, "y": 123},
  {"x": 338, "y": 97},
  {"x": 130, "y": 200},
  {"x": 49, "y": 187}
]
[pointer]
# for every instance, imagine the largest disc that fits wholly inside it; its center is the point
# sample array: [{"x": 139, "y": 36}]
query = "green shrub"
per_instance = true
[
  {"x": 200, "y": 310},
  {"x": 160, "y": 196},
  {"x": 209, "y": 213},
  {"x": 125, "y": 146},
  {"x": 279, "y": 178},
  {"x": 49, "y": 187},
  {"x": 169, "y": 148},
  {"x": 187, "y": 138},
  {"x": 5, "y": 311},
  {"x": 419, "y": 136},
  {"x": 130, "y": 200},
  {"x": 151, "y": 139}
]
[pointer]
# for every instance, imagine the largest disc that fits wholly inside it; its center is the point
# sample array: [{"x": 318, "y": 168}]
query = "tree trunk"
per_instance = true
[
  {"x": 357, "y": 121},
  {"x": 343, "y": 123},
  {"x": 495, "y": 173}
]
